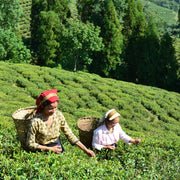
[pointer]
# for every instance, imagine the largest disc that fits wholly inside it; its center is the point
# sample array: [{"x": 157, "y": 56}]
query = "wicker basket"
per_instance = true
[
  {"x": 21, "y": 119},
  {"x": 86, "y": 126}
]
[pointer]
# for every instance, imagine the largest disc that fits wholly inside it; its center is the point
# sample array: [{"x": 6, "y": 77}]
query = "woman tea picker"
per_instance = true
[
  {"x": 108, "y": 134},
  {"x": 43, "y": 133}
]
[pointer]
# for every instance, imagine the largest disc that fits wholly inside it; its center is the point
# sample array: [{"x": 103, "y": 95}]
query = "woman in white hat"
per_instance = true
[{"x": 108, "y": 134}]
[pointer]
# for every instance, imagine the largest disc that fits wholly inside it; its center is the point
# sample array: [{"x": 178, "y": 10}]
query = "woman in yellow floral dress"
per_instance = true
[{"x": 44, "y": 129}]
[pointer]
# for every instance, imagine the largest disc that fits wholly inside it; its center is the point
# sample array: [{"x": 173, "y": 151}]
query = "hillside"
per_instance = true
[
  {"x": 26, "y": 18},
  {"x": 163, "y": 16},
  {"x": 149, "y": 113},
  {"x": 169, "y": 4}
]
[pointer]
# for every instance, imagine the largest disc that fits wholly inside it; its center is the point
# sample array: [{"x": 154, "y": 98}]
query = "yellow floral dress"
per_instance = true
[{"x": 40, "y": 133}]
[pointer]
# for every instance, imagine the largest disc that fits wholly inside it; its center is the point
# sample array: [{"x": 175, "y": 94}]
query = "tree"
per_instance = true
[
  {"x": 90, "y": 10},
  {"x": 134, "y": 29},
  {"x": 103, "y": 14},
  {"x": 47, "y": 17},
  {"x": 48, "y": 41},
  {"x": 112, "y": 39},
  {"x": 179, "y": 16},
  {"x": 179, "y": 21},
  {"x": 129, "y": 20},
  {"x": 12, "y": 48},
  {"x": 105, "y": 62},
  {"x": 148, "y": 61},
  {"x": 168, "y": 66},
  {"x": 121, "y": 7},
  {"x": 79, "y": 41},
  {"x": 10, "y": 14}
]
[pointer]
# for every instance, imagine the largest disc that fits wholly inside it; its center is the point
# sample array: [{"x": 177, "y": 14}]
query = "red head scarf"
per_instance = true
[{"x": 50, "y": 95}]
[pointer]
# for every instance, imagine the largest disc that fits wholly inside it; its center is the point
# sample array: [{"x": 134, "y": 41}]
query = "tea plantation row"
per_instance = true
[{"x": 148, "y": 113}]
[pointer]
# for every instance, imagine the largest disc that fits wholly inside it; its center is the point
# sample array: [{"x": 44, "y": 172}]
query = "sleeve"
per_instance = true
[
  {"x": 31, "y": 136},
  {"x": 96, "y": 141},
  {"x": 66, "y": 130},
  {"x": 124, "y": 136}
]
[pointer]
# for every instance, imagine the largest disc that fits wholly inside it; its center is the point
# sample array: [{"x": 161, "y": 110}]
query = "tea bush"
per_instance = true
[{"x": 149, "y": 113}]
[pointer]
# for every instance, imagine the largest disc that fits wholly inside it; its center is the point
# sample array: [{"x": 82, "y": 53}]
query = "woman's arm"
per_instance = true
[
  {"x": 87, "y": 151},
  {"x": 127, "y": 138},
  {"x": 66, "y": 129},
  {"x": 123, "y": 135},
  {"x": 71, "y": 137},
  {"x": 56, "y": 149},
  {"x": 31, "y": 134},
  {"x": 135, "y": 141},
  {"x": 109, "y": 147}
]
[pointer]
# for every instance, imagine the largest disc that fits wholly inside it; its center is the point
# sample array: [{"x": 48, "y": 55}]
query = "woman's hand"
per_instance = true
[
  {"x": 110, "y": 147},
  {"x": 90, "y": 153},
  {"x": 56, "y": 149},
  {"x": 87, "y": 151},
  {"x": 135, "y": 141}
]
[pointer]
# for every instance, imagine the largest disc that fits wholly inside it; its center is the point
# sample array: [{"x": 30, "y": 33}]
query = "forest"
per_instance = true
[{"x": 118, "y": 39}]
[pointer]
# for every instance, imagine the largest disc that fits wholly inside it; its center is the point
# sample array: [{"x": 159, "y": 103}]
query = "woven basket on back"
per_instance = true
[
  {"x": 86, "y": 126},
  {"x": 21, "y": 119}
]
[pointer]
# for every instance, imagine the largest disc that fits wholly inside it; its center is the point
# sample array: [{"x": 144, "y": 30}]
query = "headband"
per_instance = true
[
  {"x": 50, "y": 95},
  {"x": 110, "y": 115},
  {"x": 46, "y": 98}
]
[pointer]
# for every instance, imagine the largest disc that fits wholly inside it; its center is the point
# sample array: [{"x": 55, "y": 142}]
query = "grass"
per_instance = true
[{"x": 149, "y": 113}]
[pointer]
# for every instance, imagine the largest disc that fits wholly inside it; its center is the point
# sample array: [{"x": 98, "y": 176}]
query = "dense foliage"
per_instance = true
[
  {"x": 107, "y": 59},
  {"x": 148, "y": 113},
  {"x": 12, "y": 48},
  {"x": 46, "y": 19},
  {"x": 84, "y": 40},
  {"x": 10, "y": 14}
]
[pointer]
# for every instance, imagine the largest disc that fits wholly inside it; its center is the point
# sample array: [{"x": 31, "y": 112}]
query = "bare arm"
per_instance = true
[
  {"x": 109, "y": 147},
  {"x": 87, "y": 151},
  {"x": 56, "y": 149},
  {"x": 135, "y": 141}
]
